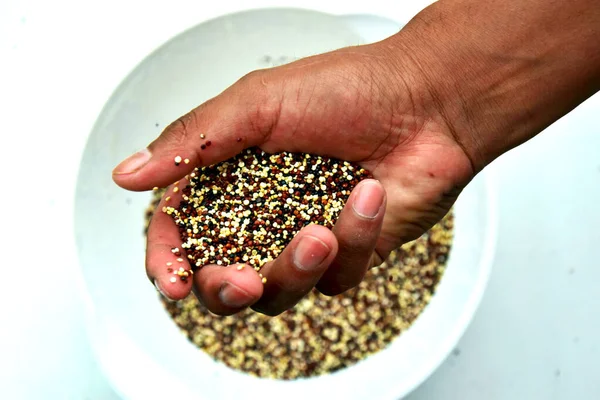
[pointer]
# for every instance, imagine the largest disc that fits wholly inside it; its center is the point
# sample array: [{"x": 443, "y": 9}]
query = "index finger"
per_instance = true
[{"x": 214, "y": 131}]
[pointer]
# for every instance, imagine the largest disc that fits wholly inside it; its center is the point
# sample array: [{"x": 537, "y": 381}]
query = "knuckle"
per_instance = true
[
  {"x": 259, "y": 103},
  {"x": 263, "y": 107},
  {"x": 179, "y": 130},
  {"x": 252, "y": 77},
  {"x": 261, "y": 120}
]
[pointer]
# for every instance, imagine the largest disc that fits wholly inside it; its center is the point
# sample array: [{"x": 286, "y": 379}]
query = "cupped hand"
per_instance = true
[{"x": 366, "y": 104}]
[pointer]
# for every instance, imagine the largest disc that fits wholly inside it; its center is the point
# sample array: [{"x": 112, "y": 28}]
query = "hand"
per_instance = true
[
  {"x": 359, "y": 104},
  {"x": 423, "y": 110}
]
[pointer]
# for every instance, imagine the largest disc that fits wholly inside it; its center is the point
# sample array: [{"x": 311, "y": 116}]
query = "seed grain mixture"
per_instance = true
[
  {"x": 321, "y": 334},
  {"x": 248, "y": 208}
]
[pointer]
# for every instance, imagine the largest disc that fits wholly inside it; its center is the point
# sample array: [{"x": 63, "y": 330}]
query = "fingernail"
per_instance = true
[
  {"x": 233, "y": 296},
  {"x": 157, "y": 286},
  {"x": 310, "y": 253},
  {"x": 133, "y": 163},
  {"x": 369, "y": 199}
]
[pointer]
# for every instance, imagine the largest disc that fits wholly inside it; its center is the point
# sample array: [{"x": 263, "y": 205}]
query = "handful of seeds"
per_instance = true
[
  {"x": 247, "y": 209},
  {"x": 320, "y": 334}
]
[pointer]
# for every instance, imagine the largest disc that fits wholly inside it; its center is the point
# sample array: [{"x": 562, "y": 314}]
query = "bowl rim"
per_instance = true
[
  {"x": 427, "y": 368},
  {"x": 121, "y": 385}
]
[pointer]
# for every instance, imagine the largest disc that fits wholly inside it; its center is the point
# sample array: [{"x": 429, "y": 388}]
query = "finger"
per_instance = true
[
  {"x": 356, "y": 231},
  {"x": 165, "y": 257},
  {"x": 227, "y": 290},
  {"x": 297, "y": 269},
  {"x": 238, "y": 118}
]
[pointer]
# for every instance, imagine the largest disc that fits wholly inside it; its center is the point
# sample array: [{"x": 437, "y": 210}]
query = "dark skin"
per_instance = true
[{"x": 423, "y": 110}]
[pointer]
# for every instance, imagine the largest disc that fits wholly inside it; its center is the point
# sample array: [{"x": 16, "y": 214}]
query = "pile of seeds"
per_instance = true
[
  {"x": 323, "y": 334},
  {"x": 248, "y": 208}
]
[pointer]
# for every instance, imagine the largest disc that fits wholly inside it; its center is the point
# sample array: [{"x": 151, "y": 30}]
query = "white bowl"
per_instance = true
[{"x": 138, "y": 347}]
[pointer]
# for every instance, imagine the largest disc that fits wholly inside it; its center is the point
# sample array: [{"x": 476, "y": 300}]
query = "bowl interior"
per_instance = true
[{"x": 138, "y": 346}]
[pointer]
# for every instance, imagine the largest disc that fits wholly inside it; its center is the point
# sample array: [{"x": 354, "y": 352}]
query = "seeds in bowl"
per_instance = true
[{"x": 320, "y": 334}]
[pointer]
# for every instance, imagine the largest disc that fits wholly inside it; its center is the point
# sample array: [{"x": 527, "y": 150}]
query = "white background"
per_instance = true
[{"x": 534, "y": 336}]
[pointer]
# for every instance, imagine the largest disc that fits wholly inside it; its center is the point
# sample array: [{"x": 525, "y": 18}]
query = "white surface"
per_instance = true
[
  {"x": 533, "y": 337},
  {"x": 131, "y": 332}
]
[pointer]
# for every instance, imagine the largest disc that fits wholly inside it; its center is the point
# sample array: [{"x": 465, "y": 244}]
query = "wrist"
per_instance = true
[
  {"x": 425, "y": 57},
  {"x": 496, "y": 74}
]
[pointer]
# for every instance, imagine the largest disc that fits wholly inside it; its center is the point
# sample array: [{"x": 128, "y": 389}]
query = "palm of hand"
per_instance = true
[{"x": 337, "y": 106}]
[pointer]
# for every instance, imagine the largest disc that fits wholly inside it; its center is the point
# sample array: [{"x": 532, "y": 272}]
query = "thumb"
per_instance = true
[{"x": 240, "y": 117}]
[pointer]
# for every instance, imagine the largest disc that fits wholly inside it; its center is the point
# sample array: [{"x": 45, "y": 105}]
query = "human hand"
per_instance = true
[
  {"x": 423, "y": 110},
  {"x": 361, "y": 104}
]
